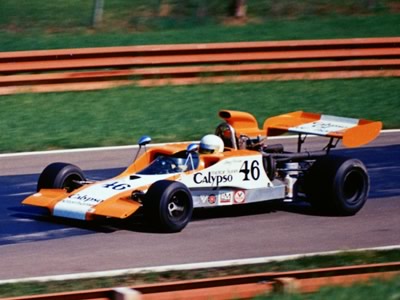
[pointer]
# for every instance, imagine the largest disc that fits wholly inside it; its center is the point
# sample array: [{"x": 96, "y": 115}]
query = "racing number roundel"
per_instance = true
[
  {"x": 212, "y": 199},
  {"x": 239, "y": 197}
]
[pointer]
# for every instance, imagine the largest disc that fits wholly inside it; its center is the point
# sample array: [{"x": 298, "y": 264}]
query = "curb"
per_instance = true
[{"x": 193, "y": 266}]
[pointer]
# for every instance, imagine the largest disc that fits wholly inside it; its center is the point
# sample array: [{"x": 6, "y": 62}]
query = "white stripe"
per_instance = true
[
  {"x": 20, "y": 194},
  {"x": 336, "y": 119},
  {"x": 325, "y": 125},
  {"x": 69, "y": 151},
  {"x": 71, "y": 210},
  {"x": 183, "y": 267},
  {"x": 5, "y": 155},
  {"x": 78, "y": 150},
  {"x": 36, "y": 235}
]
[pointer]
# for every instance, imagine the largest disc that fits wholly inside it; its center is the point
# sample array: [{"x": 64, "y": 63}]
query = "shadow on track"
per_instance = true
[{"x": 383, "y": 164}]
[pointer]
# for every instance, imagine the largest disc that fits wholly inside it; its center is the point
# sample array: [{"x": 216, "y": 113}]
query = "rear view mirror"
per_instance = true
[
  {"x": 192, "y": 148},
  {"x": 144, "y": 140}
]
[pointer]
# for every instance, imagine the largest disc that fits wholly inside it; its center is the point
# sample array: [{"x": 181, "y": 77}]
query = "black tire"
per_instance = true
[
  {"x": 269, "y": 166},
  {"x": 60, "y": 176},
  {"x": 337, "y": 185},
  {"x": 168, "y": 205}
]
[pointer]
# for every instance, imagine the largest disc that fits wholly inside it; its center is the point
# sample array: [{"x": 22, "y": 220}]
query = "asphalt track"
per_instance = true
[{"x": 33, "y": 244}]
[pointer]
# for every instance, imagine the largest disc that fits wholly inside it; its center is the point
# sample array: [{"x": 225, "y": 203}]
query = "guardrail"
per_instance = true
[
  {"x": 96, "y": 68},
  {"x": 236, "y": 287}
]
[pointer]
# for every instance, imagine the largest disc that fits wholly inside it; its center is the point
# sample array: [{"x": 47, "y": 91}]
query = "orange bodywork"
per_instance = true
[
  {"x": 120, "y": 206},
  {"x": 243, "y": 122},
  {"x": 46, "y": 198},
  {"x": 365, "y": 132},
  {"x": 147, "y": 157}
]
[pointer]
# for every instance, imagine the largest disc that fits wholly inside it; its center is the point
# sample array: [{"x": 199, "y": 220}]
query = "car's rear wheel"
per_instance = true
[
  {"x": 60, "y": 176},
  {"x": 337, "y": 185},
  {"x": 168, "y": 205}
]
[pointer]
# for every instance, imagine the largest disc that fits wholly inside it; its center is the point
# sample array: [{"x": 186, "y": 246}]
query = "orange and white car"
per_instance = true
[{"x": 168, "y": 182}]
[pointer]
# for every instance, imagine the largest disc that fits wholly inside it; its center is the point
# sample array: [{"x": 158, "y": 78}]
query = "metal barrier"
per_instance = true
[
  {"x": 236, "y": 287},
  {"x": 97, "y": 68}
]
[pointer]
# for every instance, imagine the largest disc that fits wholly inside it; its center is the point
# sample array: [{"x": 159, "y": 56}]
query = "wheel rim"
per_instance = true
[
  {"x": 353, "y": 187},
  {"x": 178, "y": 207},
  {"x": 70, "y": 183}
]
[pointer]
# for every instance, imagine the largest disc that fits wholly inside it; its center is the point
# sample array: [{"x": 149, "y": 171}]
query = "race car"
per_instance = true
[{"x": 234, "y": 166}]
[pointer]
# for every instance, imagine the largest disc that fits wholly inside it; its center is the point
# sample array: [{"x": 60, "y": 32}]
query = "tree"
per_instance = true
[
  {"x": 240, "y": 9},
  {"x": 97, "y": 17}
]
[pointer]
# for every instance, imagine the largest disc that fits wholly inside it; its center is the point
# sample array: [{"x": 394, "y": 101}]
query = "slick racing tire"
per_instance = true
[
  {"x": 168, "y": 205},
  {"x": 337, "y": 185},
  {"x": 60, "y": 176}
]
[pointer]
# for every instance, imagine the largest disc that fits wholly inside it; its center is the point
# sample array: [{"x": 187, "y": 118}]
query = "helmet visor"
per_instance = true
[{"x": 206, "y": 151}]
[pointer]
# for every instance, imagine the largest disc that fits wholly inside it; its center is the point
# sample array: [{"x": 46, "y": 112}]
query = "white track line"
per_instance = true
[
  {"x": 74, "y": 150},
  {"x": 127, "y": 147},
  {"x": 183, "y": 267}
]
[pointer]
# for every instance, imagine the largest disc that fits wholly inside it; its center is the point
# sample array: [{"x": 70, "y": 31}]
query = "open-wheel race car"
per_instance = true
[{"x": 234, "y": 166}]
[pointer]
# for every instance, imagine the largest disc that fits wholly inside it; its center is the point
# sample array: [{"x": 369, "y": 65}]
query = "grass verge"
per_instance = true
[
  {"x": 343, "y": 259},
  {"x": 304, "y": 28},
  {"x": 175, "y": 113},
  {"x": 374, "y": 289}
]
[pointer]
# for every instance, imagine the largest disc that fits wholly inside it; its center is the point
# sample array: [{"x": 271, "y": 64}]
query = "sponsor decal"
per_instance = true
[
  {"x": 203, "y": 198},
  {"x": 326, "y": 125},
  {"x": 212, "y": 199},
  {"x": 84, "y": 200},
  {"x": 117, "y": 186},
  {"x": 200, "y": 178},
  {"x": 239, "y": 197},
  {"x": 225, "y": 198}
]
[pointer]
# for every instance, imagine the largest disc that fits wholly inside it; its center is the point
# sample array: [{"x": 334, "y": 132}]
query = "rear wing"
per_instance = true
[{"x": 353, "y": 132}]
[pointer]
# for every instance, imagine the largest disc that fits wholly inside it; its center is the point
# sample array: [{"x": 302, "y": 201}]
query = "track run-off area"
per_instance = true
[{"x": 33, "y": 244}]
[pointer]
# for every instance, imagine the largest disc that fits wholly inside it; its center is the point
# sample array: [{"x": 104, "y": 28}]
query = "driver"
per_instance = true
[{"x": 211, "y": 143}]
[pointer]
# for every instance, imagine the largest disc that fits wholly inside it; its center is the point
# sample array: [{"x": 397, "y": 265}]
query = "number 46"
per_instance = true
[{"x": 253, "y": 171}]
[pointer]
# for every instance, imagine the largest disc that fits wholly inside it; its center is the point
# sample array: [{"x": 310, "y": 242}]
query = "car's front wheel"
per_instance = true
[
  {"x": 60, "y": 176},
  {"x": 168, "y": 205}
]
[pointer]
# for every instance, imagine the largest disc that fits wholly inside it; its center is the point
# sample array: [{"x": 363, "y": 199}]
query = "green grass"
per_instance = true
[
  {"x": 120, "y": 116},
  {"x": 344, "y": 259},
  {"x": 127, "y": 9},
  {"x": 39, "y": 24},
  {"x": 375, "y": 289},
  {"x": 58, "y": 14},
  {"x": 306, "y": 28}
]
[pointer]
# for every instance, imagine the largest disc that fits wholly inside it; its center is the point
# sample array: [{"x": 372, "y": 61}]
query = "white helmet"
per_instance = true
[{"x": 211, "y": 143}]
